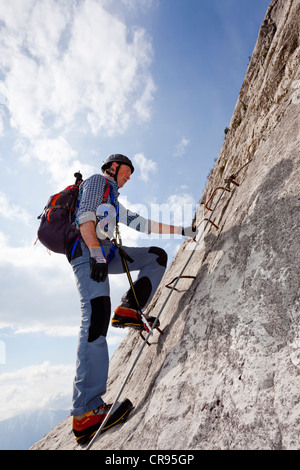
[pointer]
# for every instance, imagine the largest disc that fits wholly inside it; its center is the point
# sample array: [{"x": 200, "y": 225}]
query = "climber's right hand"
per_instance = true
[{"x": 98, "y": 265}]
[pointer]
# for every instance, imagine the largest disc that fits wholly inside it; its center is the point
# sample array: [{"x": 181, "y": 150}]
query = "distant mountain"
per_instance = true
[{"x": 22, "y": 431}]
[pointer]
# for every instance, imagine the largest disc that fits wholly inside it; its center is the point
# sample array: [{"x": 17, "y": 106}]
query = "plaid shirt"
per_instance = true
[{"x": 90, "y": 197}]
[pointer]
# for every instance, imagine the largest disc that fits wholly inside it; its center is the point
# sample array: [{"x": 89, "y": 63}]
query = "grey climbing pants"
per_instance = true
[{"x": 92, "y": 352}]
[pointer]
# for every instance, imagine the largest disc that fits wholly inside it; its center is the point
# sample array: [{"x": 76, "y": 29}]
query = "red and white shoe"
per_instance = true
[
  {"x": 86, "y": 425},
  {"x": 128, "y": 317}
]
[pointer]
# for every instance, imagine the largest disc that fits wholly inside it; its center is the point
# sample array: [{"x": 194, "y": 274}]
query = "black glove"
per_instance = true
[
  {"x": 189, "y": 231},
  {"x": 98, "y": 265}
]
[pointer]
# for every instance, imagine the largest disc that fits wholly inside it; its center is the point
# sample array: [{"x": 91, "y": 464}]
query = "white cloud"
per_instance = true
[
  {"x": 52, "y": 331},
  {"x": 138, "y": 3},
  {"x": 2, "y": 125},
  {"x": 145, "y": 166},
  {"x": 27, "y": 256},
  {"x": 12, "y": 211},
  {"x": 29, "y": 45},
  {"x": 183, "y": 207},
  {"x": 38, "y": 290},
  {"x": 115, "y": 337},
  {"x": 142, "y": 105},
  {"x": 177, "y": 201},
  {"x": 57, "y": 157},
  {"x": 181, "y": 147},
  {"x": 69, "y": 68},
  {"x": 38, "y": 386},
  {"x": 63, "y": 60}
]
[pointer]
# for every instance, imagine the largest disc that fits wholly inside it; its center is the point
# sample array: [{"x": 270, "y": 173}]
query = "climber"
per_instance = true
[{"x": 93, "y": 258}]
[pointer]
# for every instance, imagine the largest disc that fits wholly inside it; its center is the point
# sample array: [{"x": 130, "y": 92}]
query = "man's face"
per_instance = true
[{"x": 123, "y": 174}]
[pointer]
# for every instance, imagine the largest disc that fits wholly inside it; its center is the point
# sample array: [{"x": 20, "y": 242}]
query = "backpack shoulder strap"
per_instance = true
[{"x": 106, "y": 191}]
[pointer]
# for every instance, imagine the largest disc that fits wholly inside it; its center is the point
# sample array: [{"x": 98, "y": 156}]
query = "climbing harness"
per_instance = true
[{"x": 175, "y": 281}]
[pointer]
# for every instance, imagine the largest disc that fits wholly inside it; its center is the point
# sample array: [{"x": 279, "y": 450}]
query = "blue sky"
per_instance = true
[{"x": 156, "y": 80}]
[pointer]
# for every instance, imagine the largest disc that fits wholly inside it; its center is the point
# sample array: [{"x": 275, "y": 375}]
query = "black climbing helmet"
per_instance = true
[{"x": 118, "y": 158}]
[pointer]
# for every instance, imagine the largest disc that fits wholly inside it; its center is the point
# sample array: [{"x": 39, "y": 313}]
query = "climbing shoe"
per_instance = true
[
  {"x": 86, "y": 425},
  {"x": 128, "y": 317}
]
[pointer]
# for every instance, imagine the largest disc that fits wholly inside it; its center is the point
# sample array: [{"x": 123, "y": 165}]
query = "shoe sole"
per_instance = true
[
  {"x": 121, "y": 415},
  {"x": 128, "y": 324}
]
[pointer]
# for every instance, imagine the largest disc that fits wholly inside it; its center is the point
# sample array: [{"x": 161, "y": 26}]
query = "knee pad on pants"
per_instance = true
[
  {"x": 99, "y": 318},
  {"x": 162, "y": 257}
]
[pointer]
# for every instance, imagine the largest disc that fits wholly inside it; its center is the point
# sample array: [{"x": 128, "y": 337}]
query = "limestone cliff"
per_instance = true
[{"x": 226, "y": 372}]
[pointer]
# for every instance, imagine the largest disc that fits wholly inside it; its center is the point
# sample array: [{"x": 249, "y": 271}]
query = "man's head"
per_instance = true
[{"x": 119, "y": 168}]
